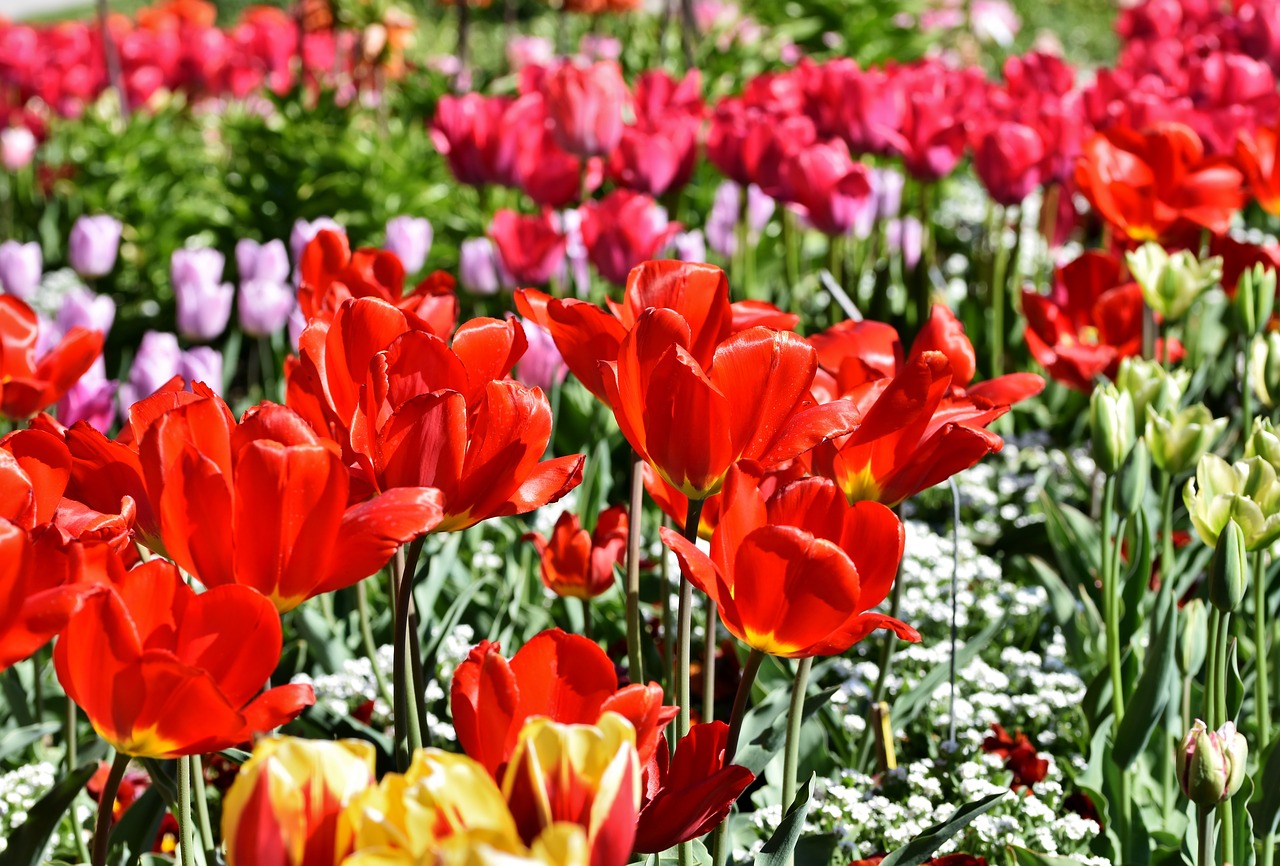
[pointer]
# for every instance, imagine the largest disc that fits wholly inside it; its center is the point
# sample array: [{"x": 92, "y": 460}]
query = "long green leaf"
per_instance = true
[
  {"x": 921, "y": 848},
  {"x": 782, "y": 844},
  {"x": 1150, "y": 699},
  {"x": 27, "y": 843},
  {"x": 135, "y": 832},
  {"x": 763, "y": 736},
  {"x": 1266, "y": 812},
  {"x": 16, "y": 740}
]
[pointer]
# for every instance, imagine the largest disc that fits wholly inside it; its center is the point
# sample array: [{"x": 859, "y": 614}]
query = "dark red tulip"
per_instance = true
[{"x": 532, "y": 246}]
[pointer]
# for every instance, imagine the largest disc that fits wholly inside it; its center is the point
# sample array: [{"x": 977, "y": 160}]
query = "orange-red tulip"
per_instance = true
[
  {"x": 1256, "y": 156},
  {"x": 1158, "y": 185},
  {"x": 692, "y": 422},
  {"x": 162, "y": 672},
  {"x": 798, "y": 575},
  {"x": 330, "y": 273},
  {"x": 264, "y": 503},
  {"x": 565, "y": 677},
  {"x": 29, "y": 384},
  {"x": 578, "y": 563}
]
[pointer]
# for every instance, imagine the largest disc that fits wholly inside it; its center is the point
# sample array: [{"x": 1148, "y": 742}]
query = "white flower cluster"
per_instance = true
[
  {"x": 20, "y": 790},
  {"x": 356, "y": 683}
]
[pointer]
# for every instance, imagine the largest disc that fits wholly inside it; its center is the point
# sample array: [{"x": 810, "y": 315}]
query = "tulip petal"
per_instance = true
[
  {"x": 484, "y": 701},
  {"x": 371, "y": 532}
]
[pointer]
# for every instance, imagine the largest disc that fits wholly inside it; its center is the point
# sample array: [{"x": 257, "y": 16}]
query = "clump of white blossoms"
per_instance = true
[{"x": 20, "y": 790}]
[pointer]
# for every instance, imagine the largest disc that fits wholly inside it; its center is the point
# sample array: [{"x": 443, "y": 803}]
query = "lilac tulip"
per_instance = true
[
  {"x": 722, "y": 219},
  {"x": 304, "y": 231},
  {"x": 888, "y": 185},
  {"x": 17, "y": 147},
  {"x": 92, "y": 399},
  {"x": 255, "y": 261},
  {"x": 541, "y": 366},
  {"x": 93, "y": 245},
  {"x": 204, "y": 301},
  {"x": 690, "y": 246},
  {"x": 202, "y": 364},
  {"x": 265, "y": 306},
  {"x": 20, "y": 268},
  {"x": 410, "y": 239},
  {"x": 158, "y": 360},
  {"x": 81, "y": 308},
  {"x": 908, "y": 235},
  {"x": 525, "y": 51},
  {"x": 478, "y": 267}
]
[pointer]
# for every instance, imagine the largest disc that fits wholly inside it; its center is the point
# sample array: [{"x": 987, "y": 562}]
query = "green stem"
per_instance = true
[
  {"x": 366, "y": 638},
  {"x": 709, "y": 664},
  {"x": 795, "y": 718},
  {"x": 186, "y": 838},
  {"x": 586, "y": 617},
  {"x": 69, "y": 734},
  {"x": 635, "y": 661},
  {"x": 1209, "y": 709},
  {"x": 1262, "y": 678},
  {"x": 407, "y": 728},
  {"x": 207, "y": 841},
  {"x": 106, "y": 808},
  {"x": 684, "y": 625},
  {"x": 998, "y": 276},
  {"x": 835, "y": 255},
  {"x": 791, "y": 246},
  {"x": 1166, "y": 528},
  {"x": 1205, "y": 855},
  {"x": 720, "y": 849}
]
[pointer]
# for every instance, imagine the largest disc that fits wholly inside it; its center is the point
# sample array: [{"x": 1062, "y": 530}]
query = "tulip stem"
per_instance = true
[
  {"x": 586, "y": 617},
  {"x": 999, "y": 271},
  {"x": 720, "y": 847},
  {"x": 791, "y": 248},
  {"x": 366, "y": 638},
  {"x": 795, "y": 719},
  {"x": 106, "y": 808},
  {"x": 407, "y": 726},
  {"x": 709, "y": 664},
  {"x": 684, "y": 625},
  {"x": 635, "y": 661},
  {"x": 1205, "y": 848},
  {"x": 1262, "y": 677},
  {"x": 202, "y": 809},
  {"x": 186, "y": 839}
]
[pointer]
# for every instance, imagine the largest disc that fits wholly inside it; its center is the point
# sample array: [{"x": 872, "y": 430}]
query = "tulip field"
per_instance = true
[{"x": 605, "y": 432}]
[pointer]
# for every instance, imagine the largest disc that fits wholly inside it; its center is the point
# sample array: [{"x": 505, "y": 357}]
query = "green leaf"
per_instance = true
[
  {"x": 916, "y": 699},
  {"x": 921, "y": 848},
  {"x": 701, "y": 856},
  {"x": 762, "y": 736},
  {"x": 1150, "y": 698},
  {"x": 16, "y": 740},
  {"x": 1026, "y": 857},
  {"x": 1266, "y": 812},
  {"x": 27, "y": 843},
  {"x": 1074, "y": 538},
  {"x": 135, "y": 832},
  {"x": 782, "y": 844},
  {"x": 1062, "y": 600},
  {"x": 1135, "y": 580}
]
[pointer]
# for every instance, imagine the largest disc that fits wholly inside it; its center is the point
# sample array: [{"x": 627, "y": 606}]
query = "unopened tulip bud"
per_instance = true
[
  {"x": 1244, "y": 492},
  {"x": 1264, "y": 367},
  {"x": 1178, "y": 439},
  {"x": 1131, "y": 488},
  {"x": 1150, "y": 384},
  {"x": 93, "y": 245},
  {"x": 410, "y": 239},
  {"x": 1229, "y": 575},
  {"x": 288, "y": 797},
  {"x": 1255, "y": 298},
  {"x": 1111, "y": 424},
  {"x": 204, "y": 301},
  {"x": 17, "y": 147},
  {"x": 1193, "y": 645},
  {"x": 1171, "y": 283},
  {"x": 1211, "y": 764},
  {"x": 20, "y": 268}
]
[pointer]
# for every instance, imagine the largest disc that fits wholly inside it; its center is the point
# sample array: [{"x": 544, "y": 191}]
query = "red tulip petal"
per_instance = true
[
  {"x": 484, "y": 700},
  {"x": 371, "y": 532}
]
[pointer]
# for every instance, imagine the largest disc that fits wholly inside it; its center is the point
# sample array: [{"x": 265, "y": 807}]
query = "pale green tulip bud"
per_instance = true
[
  {"x": 1255, "y": 298},
  {"x": 1264, "y": 367},
  {"x": 1264, "y": 442},
  {"x": 1171, "y": 283},
  {"x": 1245, "y": 492},
  {"x": 1194, "y": 643},
  {"x": 1211, "y": 764},
  {"x": 1111, "y": 423},
  {"x": 1229, "y": 575},
  {"x": 1150, "y": 384},
  {"x": 1132, "y": 481},
  {"x": 1178, "y": 439}
]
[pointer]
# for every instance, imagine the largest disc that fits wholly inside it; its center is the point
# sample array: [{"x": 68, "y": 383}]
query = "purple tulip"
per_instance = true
[
  {"x": 255, "y": 261},
  {"x": 478, "y": 267},
  {"x": 722, "y": 219},
  {"x": 265, "y": 306},
  {"x": 887, "y": 185},
  {"x": 81, "y": 308},
  {"x": 410, "y": 239},
  {"x": 541, "y": 366},
  {"x": 525, "y": 51},
  {"x": 204, "y": 301},
  {"x": 690, "y": 246},
  {"x": 158, "y": 360},
  {"x": 593, "y": 47},
  {"x": 93, "y": 245},
  {"x": 20, "y": 268},
  {"x": 304, "y": 231},
  {"x": 202, "y": 364},
  {"x": 908, "y": 235},
  {"x": 760, "y": 208},
  {"x": 91, "y": 399}
]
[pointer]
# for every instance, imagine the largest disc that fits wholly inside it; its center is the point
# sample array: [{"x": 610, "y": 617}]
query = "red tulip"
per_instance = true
[
  {"x": 330, "y": 273},
  {"x": 623, "y": 230},
  {"x": 473, "y": 134},
  {"x": 1158, "y": 184},
  {"x": 1087, "y": 324},
  {"x": 532, "y": 247},
  {"x": 688, "y": 420},
  {"x": 1238, "y": 257},
  {"x": 658, "y": 153},
  {"x": 931, "y": 139},
  {"x": 162, "y": 672},
  {"x": 1007, "y": 159},
  {"x": 29, "y": 384},
  {"x": 688, "y": 794},
  {"x": 797, "y": 576},
  {"x": 585, "y": 106},
  {"x": 264, "y": 503},
  {"x": 578, "y": 563},
  {"x": 1256, "y": 156},
  {"x": 548, "y": 174},
  {"x": 564, "y": 677},
  {"x": 1019, "y": 755}
]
